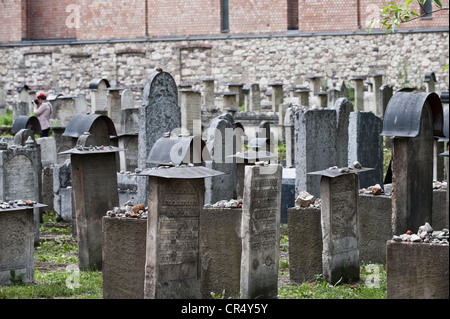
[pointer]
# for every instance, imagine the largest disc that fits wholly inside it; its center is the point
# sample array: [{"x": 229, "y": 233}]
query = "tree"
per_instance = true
[{"x": 393, "y": 15}]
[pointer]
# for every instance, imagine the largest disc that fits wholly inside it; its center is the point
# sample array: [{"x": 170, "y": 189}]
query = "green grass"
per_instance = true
[
  {"x": 59, "y": 282},
  {"x": 7, "y": 120},
  {"x": 366, "y": 288}
]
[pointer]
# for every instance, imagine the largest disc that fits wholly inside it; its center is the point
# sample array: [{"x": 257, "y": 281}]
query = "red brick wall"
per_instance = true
[
  {"x": 11, "y": 21},
  {"x": 114, "y": 19},
  {"x": 324, "y": 16},
  {"x": 119, "y": 19},
  {"x": 47, "y": 20}
]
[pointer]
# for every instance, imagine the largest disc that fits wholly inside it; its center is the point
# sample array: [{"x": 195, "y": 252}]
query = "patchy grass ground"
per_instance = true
[{"x": 56, "y": 258}]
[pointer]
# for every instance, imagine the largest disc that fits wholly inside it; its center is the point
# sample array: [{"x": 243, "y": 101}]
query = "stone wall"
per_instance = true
[{"x": 404, "y": 58}]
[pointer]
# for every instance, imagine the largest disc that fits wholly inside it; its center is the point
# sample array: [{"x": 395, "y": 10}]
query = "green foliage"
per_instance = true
[
  {"x": 394, "y": 15},
  {"x": 280, "y": 149},
  {"x": 7, "y": 119}
]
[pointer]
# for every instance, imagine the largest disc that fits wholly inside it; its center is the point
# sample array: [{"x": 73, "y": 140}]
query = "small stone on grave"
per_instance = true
[{"x": 304, "y": 199}]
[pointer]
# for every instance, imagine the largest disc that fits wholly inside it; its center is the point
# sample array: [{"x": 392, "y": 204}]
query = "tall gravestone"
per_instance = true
[
  {"x": 17, "y": 241},
  {"x": 99, "y": 96},
  {"x": 412, "y": 119},
  {"x": 339, "y": 220},
  {"x": 158, "y": 114},
  {"x": 221, "y": 143},
  {"x": 191, "y": 111},
  {"x": 94, "y": 181},
  {"x": 315, "y": 146},
  {"x": 365, "y": 145},
  {"x": 21, "y": 173},
  {"x": 261, "y": 231}
]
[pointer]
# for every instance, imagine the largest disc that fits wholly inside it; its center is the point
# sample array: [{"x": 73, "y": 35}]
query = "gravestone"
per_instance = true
[
  {"x": 303, "y": 96},
  {"x": 430, "y": 80},
  {"x": 3, "y": 104},
  {"x": 305, "y": 244},
  {"x": 114, "y": 106},
  {"x": 343, "y": 108},
  {"x": 21, "y": 175},
  {"x": 237, "y": 88},
  {"x": 191, "y": 111},
  {"x": 173, "y": 251},
  {"x": 20, "y": 108},
  {"x": 386, "y": 92},
  {"x": 99, "y": 96},
  {"x": 208, "y": 92},
  {"x": 94, "y": 182},
  {"x": 412, "y": 119},
  {"x": 261, "y": 231},
  {"x": 17, "y": 242},
  {"x": 48, "y": 150},
  {"x": 221, "y": 143},
  {"x": 221, "y": 249},
  {"x": 255, "y": 98},
  {"x": 289, "y": 131},
  {"x": 124, "y": 242},
  {"x": 277, "y": 99},
  {"x": 127, "y": 100},
  {"x": 359, "y": 92},
  {"x": 158, "y": 114},
  {"x": 377, "y": 83},
  {"x": 365, "y": 145},
  {"x": 315, "y": 146},
  {"x": 339, "y": 220},
  {"x": 229, "y": 100}
]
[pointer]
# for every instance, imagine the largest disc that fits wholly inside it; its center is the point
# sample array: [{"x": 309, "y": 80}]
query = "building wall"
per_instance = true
[
  {"x": 11, "y": 12},
  {"x": 128, "y": 19},
  {"x": 402, "y": 57}
]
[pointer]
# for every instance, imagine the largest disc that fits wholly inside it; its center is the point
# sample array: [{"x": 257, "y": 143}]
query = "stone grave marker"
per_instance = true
[
  {"x": 191, "y": 111},
  {"x": 208, "y": 92},
  {"x": 99, "y": 96},
  {"x": 365, "y": 145},
  {"x": 412, "y": 119},
  {"x": 221, "y": 143},
  {"x": 255, "y": 98},
  {"x": 261, "y": 231},
  {"x": 158, "y": 114},
  {"x": 17, "y": 240},
  {"x": 359, "y": 92},
  {"x": 339, "y": 220},
  {"x": 21, "y": 174},
  {"x": 94, "y": 182}
]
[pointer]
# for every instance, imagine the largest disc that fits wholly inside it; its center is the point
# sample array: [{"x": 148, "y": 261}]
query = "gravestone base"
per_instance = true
[
  {"x": 221, "y": 251},
  {"x": 417, "y": 271},
  {"x": 16, "y": 245},
  {"x": 305, "y": 244},
  {"x": 123, "y": 257}
]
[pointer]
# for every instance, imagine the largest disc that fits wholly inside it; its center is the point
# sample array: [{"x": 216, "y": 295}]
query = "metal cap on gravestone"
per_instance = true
[
  {"x": 171, "y": 151},
  {"x": 403, "y": 114},
  {"x": 101, "y": 126},
  {"x": 414, "y": 120},
  {"x": 26, "y": 122}
]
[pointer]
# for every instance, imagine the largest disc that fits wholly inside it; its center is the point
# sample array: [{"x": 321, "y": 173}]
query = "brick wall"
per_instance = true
[
  {"x": 11, "y": 21},
  {"x": 125, "y": 19},
  {"x": 47, "y": 20}
]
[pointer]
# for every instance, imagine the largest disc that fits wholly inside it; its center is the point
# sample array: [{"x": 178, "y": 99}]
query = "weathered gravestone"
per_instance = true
[
  {"x": 21, "y": 173},
  {"x": 208, "y": 93},
  {"x": 94, "y": 182},
  {"x": 365, "y": 145},
  {"x": 339, "y": 220},
  {"x": 261, "y": 231},
  {"x": 123, "y": 264},
  {"x": 158, "y": 114},
  {"x": 191, "y": 111},
  {"x": 17, "y": 241},
  {"x": 223, "y": 140},
  {"x": 305, "y": 244},
  {"x": 175, "y": 197},
  {"x": 99, "y": 96},
  {"x": 221, "y": 250},
  {"x": 412, "y": 119}
]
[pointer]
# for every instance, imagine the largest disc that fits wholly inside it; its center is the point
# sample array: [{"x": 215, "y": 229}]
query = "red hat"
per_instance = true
[{"x": 41, "y": 96}]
